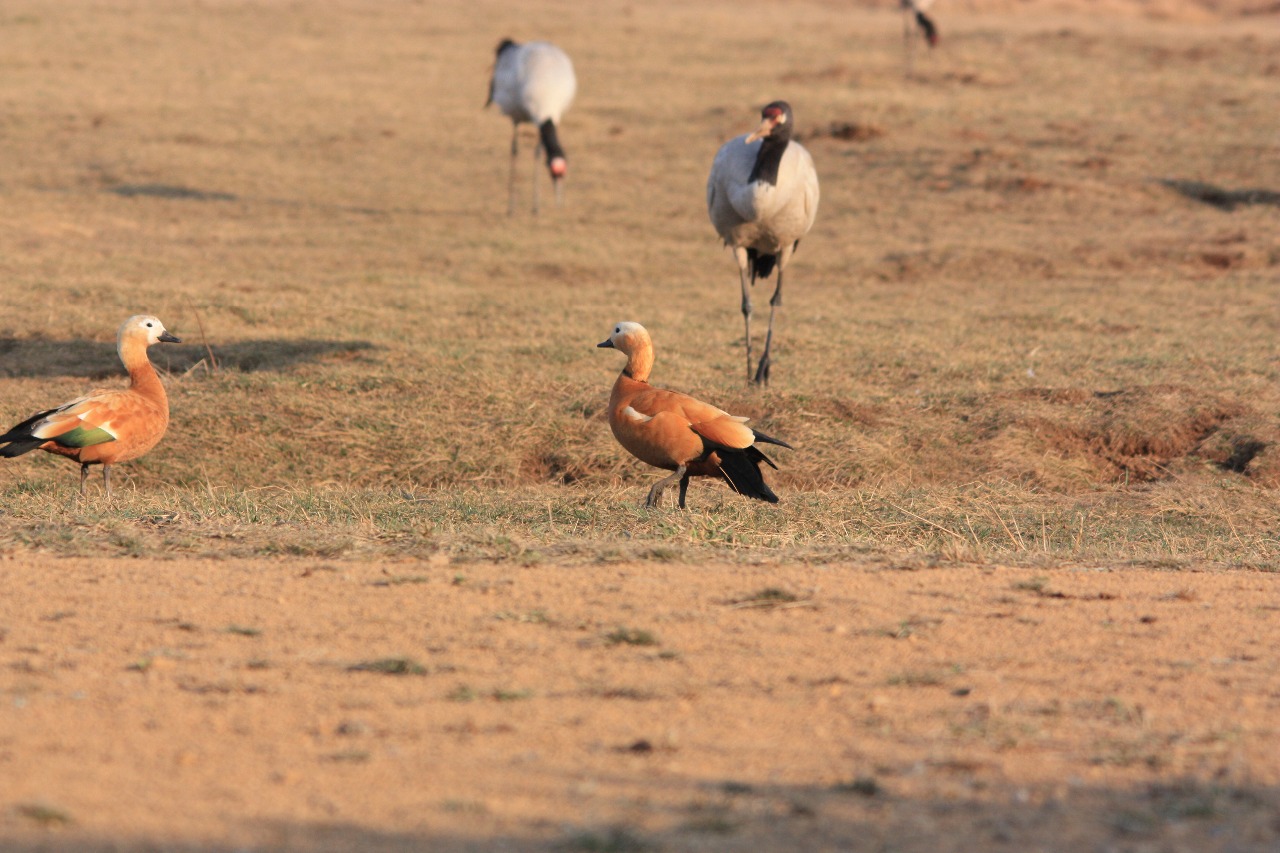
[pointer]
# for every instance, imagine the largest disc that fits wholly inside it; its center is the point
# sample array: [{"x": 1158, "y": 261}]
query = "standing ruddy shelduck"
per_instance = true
[
  {"x": 762, "y": 197},
  {"x": 105, "y": 426},
  {"x": 534, "y": 82},
  {"x": 676, "y": 432}
]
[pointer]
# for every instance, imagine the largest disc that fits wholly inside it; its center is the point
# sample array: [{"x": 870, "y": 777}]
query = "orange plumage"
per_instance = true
[
  {"x": 675, "y": 432},
  {"x": 109, "y": 425}
]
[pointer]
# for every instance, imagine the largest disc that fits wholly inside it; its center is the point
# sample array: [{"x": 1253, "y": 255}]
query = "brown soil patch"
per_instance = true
[
  {"x": 273, "y": 705},
  {"x": 1129, "y": 435}
]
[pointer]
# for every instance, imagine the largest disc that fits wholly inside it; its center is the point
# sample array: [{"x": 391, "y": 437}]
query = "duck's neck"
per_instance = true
[
  {"x": 769, "y": 158},
  {"x": 142, "y": 375},
  {"x": 640, "y": 364}
]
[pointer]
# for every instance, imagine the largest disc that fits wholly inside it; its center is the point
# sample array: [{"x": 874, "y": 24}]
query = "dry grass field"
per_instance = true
[{"x": 1020, "y": 591}]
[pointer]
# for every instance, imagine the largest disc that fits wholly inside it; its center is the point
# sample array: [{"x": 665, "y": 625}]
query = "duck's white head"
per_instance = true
[
  {"x": 627, "y": 337},
  {"x": 147, "y": 328}
]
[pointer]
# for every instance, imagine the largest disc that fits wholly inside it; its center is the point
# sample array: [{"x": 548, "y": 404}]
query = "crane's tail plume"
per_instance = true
[{"x": 761, "y": 265}]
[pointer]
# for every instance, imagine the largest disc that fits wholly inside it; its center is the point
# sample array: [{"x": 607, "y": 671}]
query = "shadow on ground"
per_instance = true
[
  {"x": 98, "y": 360},
  {"x": 861, "y": 814},
  {"x": 1220, "y": 197}
]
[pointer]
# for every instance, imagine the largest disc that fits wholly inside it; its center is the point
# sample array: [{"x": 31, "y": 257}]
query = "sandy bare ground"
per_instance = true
[{"x": 215, "y": 705}]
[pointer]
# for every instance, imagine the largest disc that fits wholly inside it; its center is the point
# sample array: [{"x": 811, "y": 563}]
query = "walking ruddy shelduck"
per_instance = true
[
  {"x": 678, "y": 433},
  {"x": 105, "y": 426}
]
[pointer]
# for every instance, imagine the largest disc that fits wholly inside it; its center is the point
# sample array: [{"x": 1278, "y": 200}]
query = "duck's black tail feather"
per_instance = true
[
  {"x": 768, "y": 439},
  {"x": 16, "y": 445},
  {"x": 19, "y": 440},
  {"x": 741, "y": 470}
]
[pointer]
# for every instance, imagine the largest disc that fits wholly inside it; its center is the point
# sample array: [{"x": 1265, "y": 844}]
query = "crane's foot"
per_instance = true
[{"x": 762, "y": 370}]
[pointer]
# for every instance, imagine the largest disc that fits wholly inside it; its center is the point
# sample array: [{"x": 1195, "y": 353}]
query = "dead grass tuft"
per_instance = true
[{"x": 1121, "y": 436}]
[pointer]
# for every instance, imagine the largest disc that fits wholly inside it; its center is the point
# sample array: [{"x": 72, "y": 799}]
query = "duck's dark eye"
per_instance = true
[
  {"x": 148, "y": 325},
  {"x": 619, "y": 329}
]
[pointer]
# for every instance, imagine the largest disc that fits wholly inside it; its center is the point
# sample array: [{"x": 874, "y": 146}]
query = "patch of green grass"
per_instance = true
[
  {"x": 613, "y": 840},
  {"x": 505, "y": 695},
  {"x": 461, "y": 693},
  {"x": 532, "y": 617},
  {"x": 714, "y": 823},
  {"x": 917, "y": 678},
  {"x": 45, "y": 815},
  {"x": 863, "y": 786},
  {"x": 401, "y": 580},
  {"x": 769, "y": 597},
  {"x": 509, "y": 525},
  {"x": 630, "y": 637},
  {"x": 242, "y": 630},
  {"x": 390, "y": 666}
]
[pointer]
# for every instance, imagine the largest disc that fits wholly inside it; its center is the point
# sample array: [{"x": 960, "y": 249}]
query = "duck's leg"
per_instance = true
[
  {"x": 744, "y": 264},
  {"x": 106, "y": 479},
  {"x": 84, "y": 477},
  {"x": 684, "y": 487},
  {"x": 655, "y": 494},
  {"x": 762, "y": 369}
]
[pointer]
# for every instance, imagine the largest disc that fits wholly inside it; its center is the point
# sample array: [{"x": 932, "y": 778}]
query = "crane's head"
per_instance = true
[{"x": 775, "y": 121}]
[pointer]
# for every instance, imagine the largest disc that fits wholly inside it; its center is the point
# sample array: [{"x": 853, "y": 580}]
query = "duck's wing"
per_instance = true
[{"x": 95, "y": 419}]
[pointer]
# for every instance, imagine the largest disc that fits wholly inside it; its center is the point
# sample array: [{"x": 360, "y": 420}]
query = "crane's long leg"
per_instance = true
[
  {"x": 745, "y": 277},
  {"x": 762, "y": 369},
  {"x": 511, "y": 180},
  {"x": 537, "y": 157},
  {"x": 655, "y": 494},
  {"x": 908, "y": 41},
  {"x": 84, "y": 476}
]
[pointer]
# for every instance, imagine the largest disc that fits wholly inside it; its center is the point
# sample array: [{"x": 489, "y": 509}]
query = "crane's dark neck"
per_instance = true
[
  {"x": 550, "y": 142},
  {"x": 769, "y": 157},
  {"x": 927, "y": 27}
]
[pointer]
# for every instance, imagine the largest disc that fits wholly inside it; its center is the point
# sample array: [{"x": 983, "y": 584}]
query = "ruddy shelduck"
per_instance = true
[
  {"x": 105, "y": 426},
  {"x": 675, "y": 432},
  {"x": 534, "y": 82},
  {"x": 762, "y": 197}
]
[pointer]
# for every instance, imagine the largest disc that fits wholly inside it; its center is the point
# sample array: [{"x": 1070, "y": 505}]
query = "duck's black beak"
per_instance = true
[
  {"x": 169, "y": 339},
  {"x": 605, "y": 345}
]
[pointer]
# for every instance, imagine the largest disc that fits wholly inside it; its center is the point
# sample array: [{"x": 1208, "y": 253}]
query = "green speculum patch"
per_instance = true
[{"x": 81, "y": 437}]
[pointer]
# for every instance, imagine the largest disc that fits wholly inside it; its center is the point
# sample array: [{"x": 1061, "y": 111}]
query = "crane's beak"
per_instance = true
[{"x": 766, "y": 127}]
